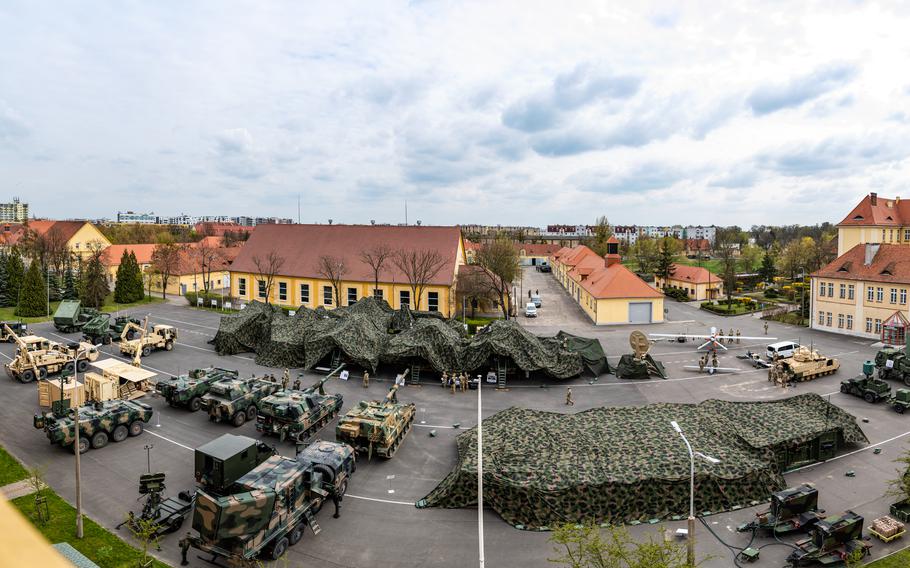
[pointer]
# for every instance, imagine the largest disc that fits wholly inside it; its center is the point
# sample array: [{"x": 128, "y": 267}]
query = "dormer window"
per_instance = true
[{"x": 845, "y": 267}]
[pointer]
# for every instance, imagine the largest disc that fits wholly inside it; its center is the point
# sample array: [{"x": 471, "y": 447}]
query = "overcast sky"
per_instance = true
[{"x": 489, "y": 112}]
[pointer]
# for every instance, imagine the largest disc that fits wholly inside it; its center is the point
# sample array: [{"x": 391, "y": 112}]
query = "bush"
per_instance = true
[
  {"x": 192, "y": 297},
  {"x": 33, "y": 298},
  {"x": 677, "y": 294},
  {"x": 771, "y": 293}
]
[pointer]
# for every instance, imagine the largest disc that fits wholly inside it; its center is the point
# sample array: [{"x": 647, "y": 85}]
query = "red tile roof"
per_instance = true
[
  {"x": 701, "y": 245},
  {"x": 471, "y": 245},
  {"x": 693, "y": 274},
  {"x": 886, "y": 212},
  {"x": 189, "y": 262},
  {"x": 12, "y": 233},
  {"x": 602, "y": 281},
  {"x": 891, "y": 263},
  {"x": 112, "y": 254},
  {"x": 302, "y": 245}
]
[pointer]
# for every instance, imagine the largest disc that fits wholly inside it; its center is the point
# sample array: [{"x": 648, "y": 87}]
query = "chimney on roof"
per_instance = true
[
  {"x": 871, "y": 251},
  {"x": 873, "y": 198},
  {"x": 612, "y": 257}
]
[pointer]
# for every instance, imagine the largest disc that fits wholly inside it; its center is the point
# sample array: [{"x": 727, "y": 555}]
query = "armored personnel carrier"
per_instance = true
[
  {"x": 791, "y": 510},
  {"x": 236, "y": 400},
  {"x": 804, "y": 365},
  {"x": 99, "y": 423},
  {"x": 103, "y": 328},
  {"x": 187, "y": 390},
  {"x": 37, "y": 357},
  {"x": 376, "y": 426},
  {"x": 297, "y": 415},
  {"x": 830, "y": 541},
  {"x": 266, "y": 510}
]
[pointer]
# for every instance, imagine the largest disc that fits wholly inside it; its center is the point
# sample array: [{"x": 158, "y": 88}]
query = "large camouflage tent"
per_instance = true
[
  {"x": 614, "y": 465},
  {"x": 527, "y": 351},
  {"x": 245, "y": 331}
]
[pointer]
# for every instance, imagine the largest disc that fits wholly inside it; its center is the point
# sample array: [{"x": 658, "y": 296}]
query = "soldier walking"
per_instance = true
[
  {"x": 366, "y": 379},
  {"x": 766, "y": 328},
  {"x": 297, "y": 384},
  {"x": 285, "y": 379},
  {"x": 444, "y": 379},
  {"x": 452, "y": 385},
  {"x": 737, "y": 336},
  {"x": 569, "y": 400},
  {"x": 701, "y": 362}
]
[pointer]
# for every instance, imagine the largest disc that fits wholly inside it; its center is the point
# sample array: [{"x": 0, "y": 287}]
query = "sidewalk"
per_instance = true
[{"x": 17, "y": 489}]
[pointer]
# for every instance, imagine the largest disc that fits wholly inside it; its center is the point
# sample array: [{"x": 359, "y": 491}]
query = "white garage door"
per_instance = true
[{"x": 639, "y": 312}]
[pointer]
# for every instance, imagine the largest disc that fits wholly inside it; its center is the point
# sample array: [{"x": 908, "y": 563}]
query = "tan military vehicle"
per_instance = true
[
  {"x": 37, "y": 357},
  {"x": 161, "y": 336},
  {"x": 805, "y": 364}
]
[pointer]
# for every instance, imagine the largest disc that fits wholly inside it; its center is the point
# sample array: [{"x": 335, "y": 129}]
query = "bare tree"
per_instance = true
[
  {"x": 267, "y": 267},
  {"x": 207, "y": 258},
  {"x": 477, "y": 285},
  {"x": 500, "y": 263},
  {"x": 333, "y": 269},
  {"x": 165, "y": 262},
  {"x": 377, "y": 256},
  {"x": 419, "y": 267},
  {"x": 726, "y": 243}
]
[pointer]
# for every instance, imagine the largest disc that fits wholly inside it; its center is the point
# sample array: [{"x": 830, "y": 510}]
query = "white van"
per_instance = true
[{"x": 782, "y": 349}]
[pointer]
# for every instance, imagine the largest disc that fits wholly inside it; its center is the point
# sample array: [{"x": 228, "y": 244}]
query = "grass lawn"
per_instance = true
[
  {"x": 10, "y": 469},
  {"x": 9, "y": 314},
  {"x": 899, "y": 560},
  {"x": 99, "y": 545},
  {"x": 713, "y": 265}
]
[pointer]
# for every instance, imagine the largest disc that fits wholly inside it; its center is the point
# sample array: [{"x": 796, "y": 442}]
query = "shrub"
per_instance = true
[
  {"x": 677, "y": 294},
  {"x": 192, "y": 297},
  {"x": 771, "y": 293}
]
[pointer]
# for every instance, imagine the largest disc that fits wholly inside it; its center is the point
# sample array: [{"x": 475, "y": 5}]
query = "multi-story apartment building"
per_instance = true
[
  {"x": 626, "y": 233},
  {"x": 140, "y": 218},
  {"x": 15, "y": 212},
  {"x": 699, "y": 232}
]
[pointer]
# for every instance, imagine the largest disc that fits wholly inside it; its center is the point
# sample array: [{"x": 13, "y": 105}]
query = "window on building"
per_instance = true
[
  {"x": 830, "y": 289},
  {"x": 352, "y": 296},
  {"x": 879, "y": 294},
  {"x": 327, "y": 295},
  {"x": 870, "y": 293},
  {"x": 903, "y": 295},
  {"x": 868, "y": 325},
  {"x": 851, "y": 291},
  {"x": 241, "y": 287},
  {"x": 849, "y": 321},
  {"x": 377, "y": 293},
  {"x": 840, "y": 321},
  {"x": 304, "y": 294},
  {"x": 261, "y": 284},
  {"x": 893, "y": 295},
  {"x": 907, "y": 234},
  {"x": 828, "y": 319},
  {"x": 843, "y": 291},
  {"x": 821, "y": 289},
  {"x": 433, "y": 301},
  {"x": 878, "y": 326},
  {"x": 404, "y": 298},
  {"x": 821, "y": 318},
  {"x": 282, "y": 291}
]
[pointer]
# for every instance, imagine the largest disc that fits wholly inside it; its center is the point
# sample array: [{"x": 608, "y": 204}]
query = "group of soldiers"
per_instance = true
[
  {"x": 703, "y": 360},
  {"x": 730, "y": 338},
  {"x": 455, "y": 381},
  {"x": 285, "y": 379}
]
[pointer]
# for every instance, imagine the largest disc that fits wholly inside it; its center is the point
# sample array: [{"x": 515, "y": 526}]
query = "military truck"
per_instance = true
[
  {"x": 37, "y": 357},
  {"x": 297, "y": 415},
  {"x": 805, "y": 365},
  {"x": 226, "y": 459},
  {"x": 99, "y": 423},
  {"x": 161, "y": 337},
  {"x": 70, "y": 316},
  {"x": 793, "y": 509},
  {"x": 104, "y": 328},
  {"x": 900, "y": 400},
  {"x": 892, "y": 364},
  {"x": 10, "y": 329},
  {"x": 187, "y": 390},
  {"x": 267, "y": 510},
  {"x": 830, "y": 541},
  {"x": 236, "y": 400},
  {"x": 866, "y": 386},
  {"x": 376, "y": 426}
]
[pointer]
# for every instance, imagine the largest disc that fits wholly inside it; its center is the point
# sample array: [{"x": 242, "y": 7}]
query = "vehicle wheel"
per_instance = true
[
  {"x": 252, "y": 412},
  {"x": 146, "y": 351},
  {"x": 869, "y": 397},
  {"x": 42, "y": 373},
  {"x": 844, "y": 389},
  {"x": 120, "y": 433},
  {"x": 176, "y": 526},
  {"x": 68, "y": 368},
  {"x": 344, "y": 488},
  {"x": 82, "y": 366},
  {"x": 899, "y": 408},
  {"x": 907, "y": 380},
  {"x": 84, "y": 445},
  {"x": 136, "y": 428},
  {"x": 130, "y": 335},
  {"x": 195, "y": 403},
  {"x": 168, "y": 346},
  {"x": 238, "y": 419},
  {"x": 296, "y": 534},
  {"x": 99, "y": 440},
  {"x": 27, "y": 376},
  {"x": 106, "y": 341},
  {"x": 280, "y": 548}
]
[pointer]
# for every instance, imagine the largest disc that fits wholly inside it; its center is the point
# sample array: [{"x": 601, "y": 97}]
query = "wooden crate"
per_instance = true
[{"x": 49, "y": 391}]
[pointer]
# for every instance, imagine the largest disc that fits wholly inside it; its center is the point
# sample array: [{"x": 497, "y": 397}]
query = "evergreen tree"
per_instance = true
[
  {"x": 137, "y": 291},
  {"x": 55, "y": 292},
  {"x": 124, "y": 280},
  {"x": 665, "y": 268},
  {"x": 69, "y": 282},
  {"x": 94, "y": 283},
  {"x": 33, "y": 299},
  {"x": 767, "y": 270},
  {"x": 15, "y": 272},
  {"x": 4, "y": 281}
]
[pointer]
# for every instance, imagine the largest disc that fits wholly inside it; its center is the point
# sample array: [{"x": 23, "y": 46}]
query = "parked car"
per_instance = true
[
  {"x": 544, "y": 268},
  {"x": 530, "y": 310},
  {"x": 535, "y": 299}
]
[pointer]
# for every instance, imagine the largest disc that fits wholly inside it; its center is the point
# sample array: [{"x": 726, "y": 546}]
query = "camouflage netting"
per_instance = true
[
  {"x": 614, "y": 465},
  {"x": 370, "y": 332}
]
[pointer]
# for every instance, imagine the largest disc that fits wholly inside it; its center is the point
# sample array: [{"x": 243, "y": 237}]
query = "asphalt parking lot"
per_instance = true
[{"x": 379, "y": 525}]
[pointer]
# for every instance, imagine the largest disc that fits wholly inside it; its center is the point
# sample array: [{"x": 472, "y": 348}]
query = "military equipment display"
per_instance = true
[
  {"x": 226, "y": 459},
  {"x": 639, "y": 365},
  {"x": 377, "y": 426},
  {"x": 794, "y": 509},
  {"x": 900, "y": 400},
  {"x": 160, "y": 337},
  {"x": 892, "y": 364},
  {"x": 116, "y": 379},
  {"x": 267, "y": 510},
  {"x": 297, "y": 414},
  {"x": 804, "y": 365},
  {"x": 99, "y": 423},
  {"x": 187, "y": 390},
  {"x": 236, "y": 400},
  {"x": 165, "y": 514},
  {"x": 866, "y": 386},
  {"x": 10, "y": 329},
  {"x": 37, "y": 357},
  {"x": 622, "y": 464},
  {"x": 70, "y": 316},
  {"x": 830, "y": 541},
  {"x": 104, "y": 328}
]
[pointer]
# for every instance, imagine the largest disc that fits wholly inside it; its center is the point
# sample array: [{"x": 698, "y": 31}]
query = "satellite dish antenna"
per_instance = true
[{"x": 639, "y": 343}]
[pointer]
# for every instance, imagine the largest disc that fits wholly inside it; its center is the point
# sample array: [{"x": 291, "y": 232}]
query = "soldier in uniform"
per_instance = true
[
  {"x": 714, "y": 359},
  {"x": 737, "y": 336},
  {"x": 366, "y": 379},
  {"x": 444, "y": 379},
  {"x": 297, "y": 384},
  {"x": 569, "y": 400},
  {"x": 285, "y": 379},
  {"x": 701, "y": 362},
  {"x": 766, "y": 328},
  {"x": 452, "y": 385}
]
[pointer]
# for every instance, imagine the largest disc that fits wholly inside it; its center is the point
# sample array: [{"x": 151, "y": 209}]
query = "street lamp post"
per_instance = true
[
  {"x": 690, "y": 533},
  {"x": 76, "y": 445}
]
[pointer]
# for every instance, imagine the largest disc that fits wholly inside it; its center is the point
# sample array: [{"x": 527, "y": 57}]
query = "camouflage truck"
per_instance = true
[
  {"x": 187, "y": 390},
  {"x": 99, "y": 423},
  {"x": 236, "y": 400},
  {"x": 893, "y": 365},
  {"x": 830, "y": 541},
  {"x": 104, "y": 328},
  {"x": 267, "y": 510},
  {"x": 70, "y": 316},
  {"x": 37, "y": 357},
  {"x": 867, "y": 386},
  {"x": 793, "y": 509},
  {"x": 804, "y": 365},
  {"x": 376, "y": 426},
  {"x": 297, "y": 415},
  {"x": 226, "y": 459}
]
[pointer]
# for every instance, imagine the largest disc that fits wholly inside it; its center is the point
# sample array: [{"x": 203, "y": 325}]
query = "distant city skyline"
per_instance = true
[{"x": 494, "y": 113}]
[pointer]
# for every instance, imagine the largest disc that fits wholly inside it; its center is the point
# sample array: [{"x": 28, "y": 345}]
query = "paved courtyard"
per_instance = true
[{"x": 379, "y": 525}]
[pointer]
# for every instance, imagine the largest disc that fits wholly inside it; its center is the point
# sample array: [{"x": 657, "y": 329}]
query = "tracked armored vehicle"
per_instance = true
[
  {"x": 803, "y": 366},
  {"x": 830, "y": 541},
  {"x": 187, "y": 390},
  {"x": 297, "y": 415},
  {"x": 236, "y": 400},
  {"x": 376, "y": 426},
  {"x": 266, "y": 510},
  {"x": 99, "y": 423},
  {"x": 104, "y": 328},
  {"x": 794, "y": 509},
  {"x": 71, "y": 316}
]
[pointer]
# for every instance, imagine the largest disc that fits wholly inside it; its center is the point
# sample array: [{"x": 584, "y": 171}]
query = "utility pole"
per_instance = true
[
  {"x": 690, "y": 532},
  {"x": 78, "y": 451},
  {"x": 480, "y": 474}
]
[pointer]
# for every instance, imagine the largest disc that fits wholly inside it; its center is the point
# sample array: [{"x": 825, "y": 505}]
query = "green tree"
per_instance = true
[
  {"x": 70, "y": 291},
  {"x": 4, "y": 281},
  {"x": 645, "y": 253},
  {"x": 33, "y": 299},
  {"x": 767, "y": 271},
  {"x": 15, "y": 272},
  {"x": 749, "y": 257},
  {"x": 121, "y": 287},
  {"x": 587, "y": 546},
  {"x": 137, "y": 291},
  {"x": 94, "y": 282},
  {"x": 665, "y": 257},
  {"x": 726, "y": 242},
  {"x": 602, "y": 233}
]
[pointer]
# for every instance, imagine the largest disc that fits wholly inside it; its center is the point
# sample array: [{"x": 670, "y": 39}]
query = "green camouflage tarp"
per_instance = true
[
  {"x": 526, "y": 350},
  {"x": 245, "y": 331},
  {"x": 591, "y": 351},
  {"x": 428, "y": 341},
  {"x": 285, "y": 347},
  {"x": 631, "y": 368},
  {"x": 614, "y": 465}
]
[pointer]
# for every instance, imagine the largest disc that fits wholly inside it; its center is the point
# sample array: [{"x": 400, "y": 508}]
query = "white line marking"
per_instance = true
[
  {"x": 379, "y": 500},
  {"x": 186, "y": 323},
  {"x": 7, "y": 356},
  {"x": 432, "y": 426},
  {"x": 169, "y": 440},
  {"x": 117, "y": 356},
  {"x": 882, "y": 443}
]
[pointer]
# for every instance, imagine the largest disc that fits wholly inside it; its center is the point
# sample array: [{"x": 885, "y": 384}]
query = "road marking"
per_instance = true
[
  {"x": 114, "y": 356},
  {"x": 169, "y": 440},
  {"x": 7, "y": 356},
  {"x": 379, "y": 500},
  {"x": 186, "y": 323},
  {"x": 432, "y": 426}
]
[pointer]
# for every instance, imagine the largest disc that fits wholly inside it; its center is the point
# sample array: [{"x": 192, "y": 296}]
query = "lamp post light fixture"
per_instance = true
[
  {"x": 690, "y": 532},
  {"x": 76, "y": 444}
]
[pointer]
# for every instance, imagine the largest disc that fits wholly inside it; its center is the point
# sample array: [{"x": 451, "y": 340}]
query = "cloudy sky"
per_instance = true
[{"x": 489, "y": 112}]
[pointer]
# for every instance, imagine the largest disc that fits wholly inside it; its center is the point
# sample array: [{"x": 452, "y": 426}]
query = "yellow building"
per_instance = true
[
  {"x": 698, "y": 282},
  {"x": 875, "y": 220},
  {"x": 80, "y": 238},
  {"x": 297, "y": 250},
  {"x": 187, "y": 274},
  {"x": 608, "y": 292}
]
